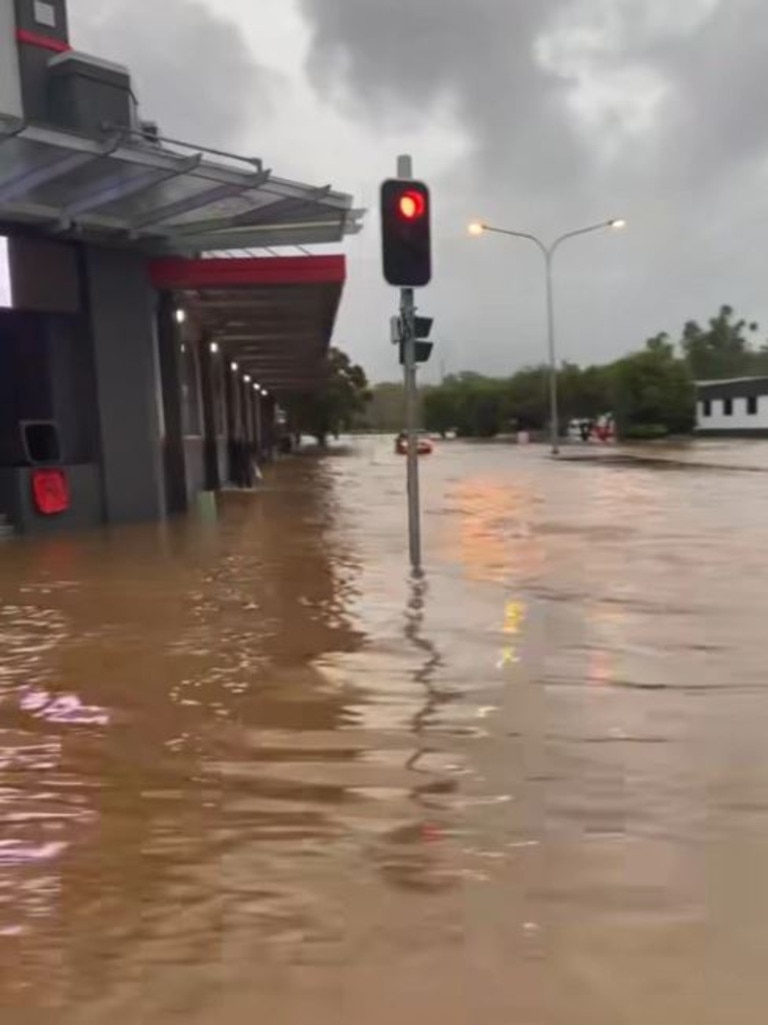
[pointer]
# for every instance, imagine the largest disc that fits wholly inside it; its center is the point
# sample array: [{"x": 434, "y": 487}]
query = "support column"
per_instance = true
[
  {"x": 249, "y": 433},
  {"x": 268, "y": 426},
  {"x": 231, "y": 393},
  {"x": 169, "y": 347},
  {"x": 210, "y": 443},
  {"x": 121, "y": 314}
]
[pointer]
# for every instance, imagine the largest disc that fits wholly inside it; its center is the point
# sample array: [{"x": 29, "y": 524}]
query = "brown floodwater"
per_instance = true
[{"x": 250, "y": 771}]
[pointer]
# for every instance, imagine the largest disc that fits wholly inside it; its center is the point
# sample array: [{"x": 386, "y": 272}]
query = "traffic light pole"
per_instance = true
[{"x": 408, "y": 314}]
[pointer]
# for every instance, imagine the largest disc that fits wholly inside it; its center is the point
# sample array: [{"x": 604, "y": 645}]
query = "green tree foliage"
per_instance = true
[
  {"x": 653, "y": 393},
  {"x": 723, "y": 349},
  {"x": 386, "y": 411},
  {"x": 439, "y": 409},
  {"x": 652, "y": 389},
  {"x": 338, "y": 406}
]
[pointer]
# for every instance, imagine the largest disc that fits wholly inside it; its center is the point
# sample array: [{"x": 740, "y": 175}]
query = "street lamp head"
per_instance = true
[
  {"x": 476, "y": 228},
  {"x": 618, "y": 223}
]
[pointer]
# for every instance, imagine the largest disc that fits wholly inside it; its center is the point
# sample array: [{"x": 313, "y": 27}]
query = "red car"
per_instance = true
[{"x": 425, "y": 446}]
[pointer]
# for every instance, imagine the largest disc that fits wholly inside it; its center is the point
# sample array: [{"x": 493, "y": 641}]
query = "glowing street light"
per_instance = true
[{"x": 548, "y": 252}]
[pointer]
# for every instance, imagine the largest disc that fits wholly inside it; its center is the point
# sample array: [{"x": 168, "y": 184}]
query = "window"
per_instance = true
[
  {"x": 45, "y": 14},
  {"x": 707, "y": 410},
  {"x": 752, "y": 405},
  {"x": 727, "y": 407}
]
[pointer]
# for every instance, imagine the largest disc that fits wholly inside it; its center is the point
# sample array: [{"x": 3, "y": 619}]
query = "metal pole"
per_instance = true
[
  {"x": 408, "y": 314},
  {"x": 554, "y": 414},
  {"x": 408, "y": 311}
]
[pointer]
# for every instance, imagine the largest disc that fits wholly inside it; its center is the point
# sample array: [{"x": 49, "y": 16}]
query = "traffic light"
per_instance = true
[
  {"x": 406, "y": 233},
  {"x": 422, "y": 330},
  {"x": 422, "y": 351}
]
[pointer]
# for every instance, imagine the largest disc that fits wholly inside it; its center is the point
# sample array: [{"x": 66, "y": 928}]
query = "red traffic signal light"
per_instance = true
[
  {"x": 412, "y": 205},
  {"x": 406, "y": 233}
]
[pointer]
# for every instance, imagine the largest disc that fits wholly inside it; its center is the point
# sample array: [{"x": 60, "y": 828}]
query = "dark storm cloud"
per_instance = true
[
  {"x": 524, "y": 74},
  {"x": 407, "y": 56},
  {"x": 192, "y": 67},
  {"x": 576, "y": 110},
  {"x": 719, "y": 76}
]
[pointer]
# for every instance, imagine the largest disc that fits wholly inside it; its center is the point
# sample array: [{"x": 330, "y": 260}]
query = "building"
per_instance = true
[
  {"x": 139, "y": 362},
  {"x": 737, "y": 407}
]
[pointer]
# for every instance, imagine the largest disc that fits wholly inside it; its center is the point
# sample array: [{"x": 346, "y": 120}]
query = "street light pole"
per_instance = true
[
  {"x": 554, "y": 412},
  {"x": 548, "y": 252}
]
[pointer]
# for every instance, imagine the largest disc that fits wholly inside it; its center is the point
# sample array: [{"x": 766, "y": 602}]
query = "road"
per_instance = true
[{"x": 249, "y": 771}]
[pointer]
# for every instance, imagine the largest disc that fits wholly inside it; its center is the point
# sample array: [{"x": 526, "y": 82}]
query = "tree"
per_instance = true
[
  {"x": 338, "y": 405},
  {"x": 527, "y": 398},
  {"x": 723, "y": 350},
  {"x": 653, "y": 394},
  {"x": 439, "y": 409},
  {"x": 584, "y": 393},
  {"x": 386, "y": 411}
]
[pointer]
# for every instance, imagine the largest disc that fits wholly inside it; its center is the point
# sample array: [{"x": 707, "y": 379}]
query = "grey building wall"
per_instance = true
[
  {"x": 16, "y": 502},
  {"x": 10, "y": 79},
  {"x": 33, "y": 60},
  {"x": 121, "y": 314}
]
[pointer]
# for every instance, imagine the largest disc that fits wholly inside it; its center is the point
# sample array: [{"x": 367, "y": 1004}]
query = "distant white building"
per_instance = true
[{"x": 737, "y": 407}]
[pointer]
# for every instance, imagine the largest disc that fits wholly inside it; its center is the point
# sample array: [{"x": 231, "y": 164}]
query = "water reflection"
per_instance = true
[
  {"x": 137, "y": 733},
  {"x": 409, "y": 855},
  {"x": 251, "y": 770}
]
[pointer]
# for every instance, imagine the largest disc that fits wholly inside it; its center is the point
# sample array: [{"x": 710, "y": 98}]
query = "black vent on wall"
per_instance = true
[{"x": 41, "y": 443}]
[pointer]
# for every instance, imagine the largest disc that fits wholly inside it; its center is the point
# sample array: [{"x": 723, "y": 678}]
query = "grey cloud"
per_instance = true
[
  {"x": 577, "y": 109},
  {"x": 192, "y": 68},
  {"x": 406, "y": 56},
  {"x": 707, "y": 56}
]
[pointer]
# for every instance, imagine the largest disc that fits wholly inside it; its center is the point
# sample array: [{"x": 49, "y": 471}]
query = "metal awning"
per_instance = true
[
  {"x": 165, "y": 197},
  {"x": 274, "y": 316}
]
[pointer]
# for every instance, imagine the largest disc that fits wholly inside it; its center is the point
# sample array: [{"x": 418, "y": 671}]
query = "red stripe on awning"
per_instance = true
[
  {"x": 44, "y": 42},
  {"x": 177, "y": 273}
]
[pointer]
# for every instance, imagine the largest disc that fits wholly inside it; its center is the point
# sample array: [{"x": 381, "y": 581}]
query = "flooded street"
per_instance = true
[{"x": 250, "y": 772}]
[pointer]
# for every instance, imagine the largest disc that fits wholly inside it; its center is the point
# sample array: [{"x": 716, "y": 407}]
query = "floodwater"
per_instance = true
[{"x": 251, "y": 772}]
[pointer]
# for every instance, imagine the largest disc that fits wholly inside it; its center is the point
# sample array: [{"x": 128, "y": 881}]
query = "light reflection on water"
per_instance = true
[{"x": 253, "y": 769}]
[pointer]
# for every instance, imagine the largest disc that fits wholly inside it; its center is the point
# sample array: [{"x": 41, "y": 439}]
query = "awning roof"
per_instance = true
[
  {"x": 165, "y": 198},
  {"x": 274, "y": 316}
]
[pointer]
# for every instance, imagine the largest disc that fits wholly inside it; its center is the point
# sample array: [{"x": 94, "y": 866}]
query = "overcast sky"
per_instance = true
[{"x": 536, "y": 115}]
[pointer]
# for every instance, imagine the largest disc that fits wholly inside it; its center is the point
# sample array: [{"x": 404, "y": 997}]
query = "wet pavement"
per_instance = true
[{"x": 250, "y": 771}]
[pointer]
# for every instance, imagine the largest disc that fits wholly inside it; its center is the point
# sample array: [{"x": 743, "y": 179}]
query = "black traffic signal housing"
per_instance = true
[
  {"x": 422, "y": 348},
  {"x": 406, "y": 218}
]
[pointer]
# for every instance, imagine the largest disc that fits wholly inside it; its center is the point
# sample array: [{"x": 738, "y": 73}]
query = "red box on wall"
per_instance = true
[{"x": 50, "y": 491}]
